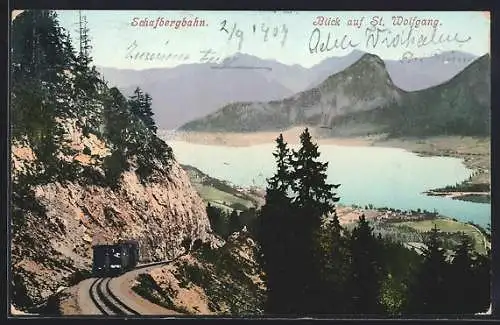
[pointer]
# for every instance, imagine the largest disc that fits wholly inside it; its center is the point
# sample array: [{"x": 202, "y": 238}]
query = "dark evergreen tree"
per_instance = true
[
  {"x": 89, "y": 87},
  {"x": 234, "y": 222},
  {"x": 297, "y": 201},
  {"x": 275, "y": 234},
  {"x": 399, "y": 263},
  {"x": 313, "y": 200},
  {"x": 460, "y": 279},
  {"x": 41, "y": 88},
  {"x": 312, "y": 192},
  {"x": 366, "y": 271},
  {"x": 428, "y": 293},
  {"x": 334, "y": 270},
  {"x": 481, "y": 290},
  {"x": 218, "y": 220},
  {"x": 140, "y": 104}
]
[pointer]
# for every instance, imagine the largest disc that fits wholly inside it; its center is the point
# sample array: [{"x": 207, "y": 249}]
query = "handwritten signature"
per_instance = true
[
  {"x": 375, "y": 37},
  {"x": 206, "y": 56},
  {"x": 445, "y": 57},
  {"x": 407, "y": 37}
]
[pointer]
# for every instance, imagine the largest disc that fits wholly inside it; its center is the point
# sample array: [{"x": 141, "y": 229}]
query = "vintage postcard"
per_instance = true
[{"x": 250, "y": 163}]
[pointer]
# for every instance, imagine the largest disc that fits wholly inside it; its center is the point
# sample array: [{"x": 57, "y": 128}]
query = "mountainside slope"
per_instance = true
[
  {"x": 87, "y": 168},
  {"x": 460, "y": 106},
  {"x": 190, "y": 91},
  {"x": 363, "y": 86},
  {"x": 186, "y": 92},
  {"x": 408, "y": 74},
  {"x": 362, "y": 99},
  {"x": 61, "y": 221}
]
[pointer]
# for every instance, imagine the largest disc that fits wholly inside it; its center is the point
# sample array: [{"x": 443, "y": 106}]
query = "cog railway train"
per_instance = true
[{"x": 115, "y": 259}]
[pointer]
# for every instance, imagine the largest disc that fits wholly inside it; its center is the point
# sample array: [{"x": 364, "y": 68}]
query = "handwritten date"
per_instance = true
[{"x": 262, "y": 30}]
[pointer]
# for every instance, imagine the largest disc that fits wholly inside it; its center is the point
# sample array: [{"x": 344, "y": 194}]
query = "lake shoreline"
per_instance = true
[
  {"x": 230, "y": 194},
  {"x": 474, "y": 152}
]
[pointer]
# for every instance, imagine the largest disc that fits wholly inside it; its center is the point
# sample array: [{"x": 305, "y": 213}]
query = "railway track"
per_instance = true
[{"x": 107, "y": 302}]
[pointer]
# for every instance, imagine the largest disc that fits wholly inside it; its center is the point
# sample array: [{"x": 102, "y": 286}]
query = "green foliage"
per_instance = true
[
  {"x": 297, "y": 200},
  {"x": 366, "y": 270},
  {"x": 225, "y": 223},
  {"x": 313, "y": 265},
  {"x": 225, "y": 278},
  {"x": 140, "y": 106},
  {"x": 234, "y": 222},
  {"x": 218, "y": 220},
  {"x": 428, "y": 291},
  {"x": 52, "y": 86},
  {"x": 114, "y": 165}
]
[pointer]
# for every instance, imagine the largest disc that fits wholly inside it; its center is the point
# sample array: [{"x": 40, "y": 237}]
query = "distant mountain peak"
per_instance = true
[
  {"x": 370, "y": 68},
  {"x": 370, "y": 58}
]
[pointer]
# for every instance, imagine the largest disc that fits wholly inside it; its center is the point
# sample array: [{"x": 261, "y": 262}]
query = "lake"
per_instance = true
[{"x": 384, "y": 177}]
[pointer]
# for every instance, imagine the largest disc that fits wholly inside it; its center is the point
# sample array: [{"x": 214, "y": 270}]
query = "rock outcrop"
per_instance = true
[
  {"x": 225, "y": 281},
  {"x": 58, "y": 223}
]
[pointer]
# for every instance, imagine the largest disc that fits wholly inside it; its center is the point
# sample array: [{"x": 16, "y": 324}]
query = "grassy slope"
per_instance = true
[
  {"x": 218, "y": 192},
  {"x": 214, "y": 195},
  {"x": 451, "y": 226}
]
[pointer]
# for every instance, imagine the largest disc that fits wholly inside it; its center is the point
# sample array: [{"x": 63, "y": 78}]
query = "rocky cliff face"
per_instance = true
[{"x": 59, "y": 222}]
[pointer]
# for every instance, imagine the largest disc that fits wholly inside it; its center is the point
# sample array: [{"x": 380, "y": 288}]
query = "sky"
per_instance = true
[{"x": 292, "y": 37}]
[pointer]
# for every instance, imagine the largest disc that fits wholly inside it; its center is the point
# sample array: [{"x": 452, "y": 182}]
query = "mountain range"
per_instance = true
[
  {"x": 364, "y": 99},
  {"x": 190, "y": 91}
]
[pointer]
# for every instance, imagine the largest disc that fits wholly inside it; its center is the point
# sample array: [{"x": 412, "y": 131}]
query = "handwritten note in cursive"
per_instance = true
[
  {"x": 283, "y": 35},
  {"x": 262, "y": 31},
  {"x": 403, "y": 33}
]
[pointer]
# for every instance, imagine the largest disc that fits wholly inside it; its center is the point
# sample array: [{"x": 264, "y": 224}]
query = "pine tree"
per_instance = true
[
  {"x": 309, "y": 182},
  {"x": 461, "y": 278},
  {"x": 89, "y": 88},
  {"x": 234, "y": 222},
  {"x": 428, "y": 293},
  {"x": 482, "y": 283},
  {"x": 366, "y": 271},
  {"x": 147, "y": 113},
  {"x": 334, "y": 269},
  {"x": 136, "y": 101},
  {"x": 297, "y": 201},
  {"x": 313, "y": 200},
  {"x": 275, "y": 234},
  {"x": 116, "y": 118},
  {"x": 141, "y": 104},
  {"x": 41, "y": 57}
]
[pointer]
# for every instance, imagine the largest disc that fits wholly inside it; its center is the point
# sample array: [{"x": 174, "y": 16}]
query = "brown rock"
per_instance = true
[{"x": 156, "y": 215}]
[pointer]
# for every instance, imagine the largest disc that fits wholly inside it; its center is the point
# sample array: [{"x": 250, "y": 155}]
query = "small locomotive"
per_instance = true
[{"x": 115, "y": 259}]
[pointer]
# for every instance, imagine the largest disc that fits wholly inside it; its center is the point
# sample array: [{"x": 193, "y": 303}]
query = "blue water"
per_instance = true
[{"x": 384, "y": 177}]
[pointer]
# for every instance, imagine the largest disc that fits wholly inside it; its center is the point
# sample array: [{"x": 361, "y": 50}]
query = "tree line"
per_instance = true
[
  {"x": 224, "y": 222},
  {"x": 54, "y": 87},
  {"x": 314, "y": 265}
]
